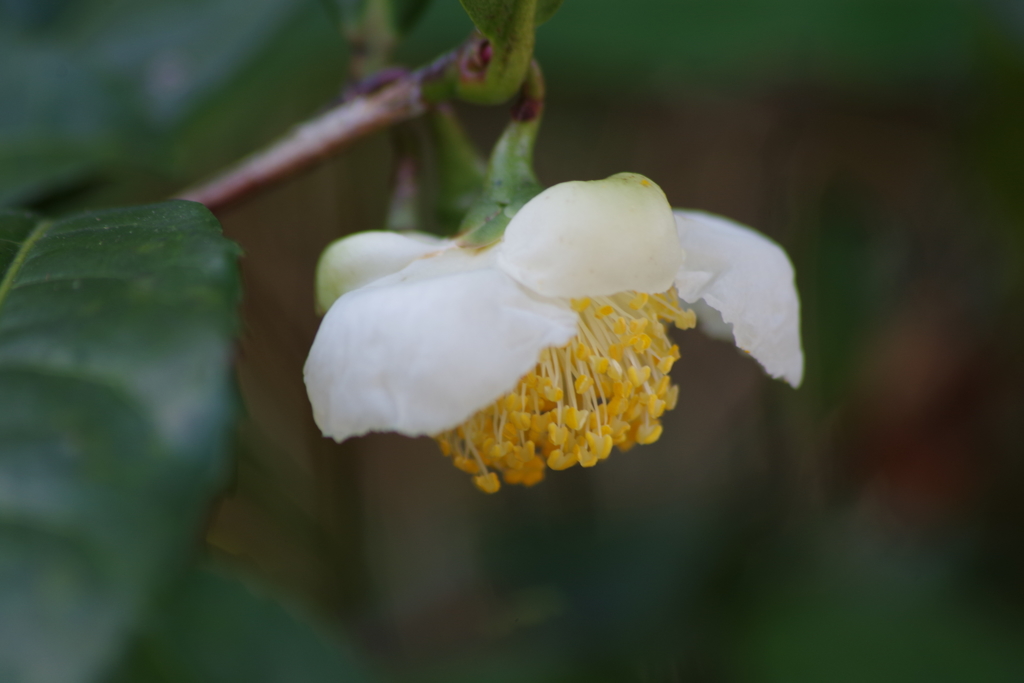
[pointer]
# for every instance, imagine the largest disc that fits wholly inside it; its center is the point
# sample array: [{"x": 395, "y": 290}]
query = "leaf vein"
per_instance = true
[{"x": 19, "y": 260}]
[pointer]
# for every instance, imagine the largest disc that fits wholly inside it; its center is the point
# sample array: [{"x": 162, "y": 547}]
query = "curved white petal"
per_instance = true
[
  {"x": 355, "y": 260},
  {"x": 749, "y": 280},
  {"x": 448, "y": 260},
  {"x": 593, "y": 238},
  {"x": 421, "y": 356}
]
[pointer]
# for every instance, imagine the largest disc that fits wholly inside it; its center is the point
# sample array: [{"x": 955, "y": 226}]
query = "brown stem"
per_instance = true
[
  {"x": 403, "y": 98},
  {"x": 313, "y": 141}
]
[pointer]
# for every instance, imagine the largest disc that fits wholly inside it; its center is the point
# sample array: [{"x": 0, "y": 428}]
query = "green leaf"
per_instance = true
[
  {"x": 134, "y": 92},
  {"x": 115, "y": 352},
  {"x": 509, "y": 26},
  {"x": 509, "y": 184},
  {"x": 210, "y": 629}
]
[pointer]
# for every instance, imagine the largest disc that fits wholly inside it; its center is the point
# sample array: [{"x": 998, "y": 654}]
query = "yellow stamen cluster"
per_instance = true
[{"x": 607, "y": 387}]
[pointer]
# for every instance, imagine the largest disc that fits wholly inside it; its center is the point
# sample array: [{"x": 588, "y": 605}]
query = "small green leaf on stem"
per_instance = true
[
  {"x": 510, "y": 181},
  {"x": 492, "y": 68}
]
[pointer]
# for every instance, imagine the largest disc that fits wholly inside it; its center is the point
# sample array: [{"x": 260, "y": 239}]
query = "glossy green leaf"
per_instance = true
[
  {"x": 209, "y": 629},
  {"x": 115, "y": 404},
  {"x": 99, "y": 90}
]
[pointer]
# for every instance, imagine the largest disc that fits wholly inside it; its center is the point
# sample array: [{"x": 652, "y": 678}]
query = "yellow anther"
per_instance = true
[
  {"x": 638, "y": 377},
  {"x": 514, "y": 476},
  {"x": 536, "y": 464},
  {"x": 531, "y": 380},
  {"x": 582, "y": 351},
  {"x": 685, "y": 320},
  {"x": 583, "y": 384},
  {"x": 622, "y": 389},
  {"x": 600, "y": 446},
  {"x": 587, "y": 457},
  {"x": 509, "y": 432},
  {"x": 468, "y": 465},
  {"x": 606, "y": 430},
  {"x": 655, "y": 406},
  {"x": 620, "y": 326},
  {"x": 616, "y": 406},
  {"x": 561, "y": 461},
  {"x": 640, "y": 342},
  {"x": 533, "y": 477},
  {"x": 552, "y": 393},
  {"x": 614, "y": 370},
  {"x": 580, "y": 305},
  {"x": 638, "y": 325},
  {"x": 556, "y": 434},
  {"x": 647, "y": 434},
  {"x": 662, "y": 387},
  {"x": 601, "y": 365},
  {"x": 446, "y": 448},
  {"x": 615, "y": 351},
  {"x": 527, "y": 452},
  {"x": 605, "y": 311},
  {"x": 666, "y": 363},
  {"x": 639, "y": 301},
  {"x": 576, "y": 419},
  {"x": 671, "y": 397},
  {"x": 488, "y": 483},
  {"x": 513, "y": 402},
  {"x": 522, "y": 420}
]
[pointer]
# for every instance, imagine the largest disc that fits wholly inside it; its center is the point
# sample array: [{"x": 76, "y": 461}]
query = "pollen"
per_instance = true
[{"x": 607, "y": 388}]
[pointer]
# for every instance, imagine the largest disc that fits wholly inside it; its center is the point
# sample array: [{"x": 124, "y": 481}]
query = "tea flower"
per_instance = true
[{"x": 550, "y": 347}]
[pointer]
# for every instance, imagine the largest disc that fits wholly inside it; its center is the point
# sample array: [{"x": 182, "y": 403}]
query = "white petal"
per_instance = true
[
  {"x": 419, "y": 357},
  {"x": 446, "y": 261},
  {"x": 355, "y": 260},
  {"x": 749, "y": 280},
  {"x": 593, "y": 238}
]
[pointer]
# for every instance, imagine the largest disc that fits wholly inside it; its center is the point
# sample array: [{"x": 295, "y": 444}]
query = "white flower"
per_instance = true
[{"x": 549, "y": 347}]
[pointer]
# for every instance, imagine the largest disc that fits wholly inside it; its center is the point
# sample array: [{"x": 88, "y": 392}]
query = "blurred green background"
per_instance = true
[{"x": 867, "y": 527}]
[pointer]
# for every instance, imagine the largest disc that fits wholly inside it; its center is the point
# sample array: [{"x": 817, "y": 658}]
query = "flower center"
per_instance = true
[{"x": 607, "y": 387}]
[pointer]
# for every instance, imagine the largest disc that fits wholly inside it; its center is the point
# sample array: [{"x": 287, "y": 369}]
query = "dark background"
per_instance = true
[{"x": 869, "y": 526}]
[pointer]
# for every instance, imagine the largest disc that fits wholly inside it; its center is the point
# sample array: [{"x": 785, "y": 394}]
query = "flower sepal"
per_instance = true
[{"x": 509, "y": 185}]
